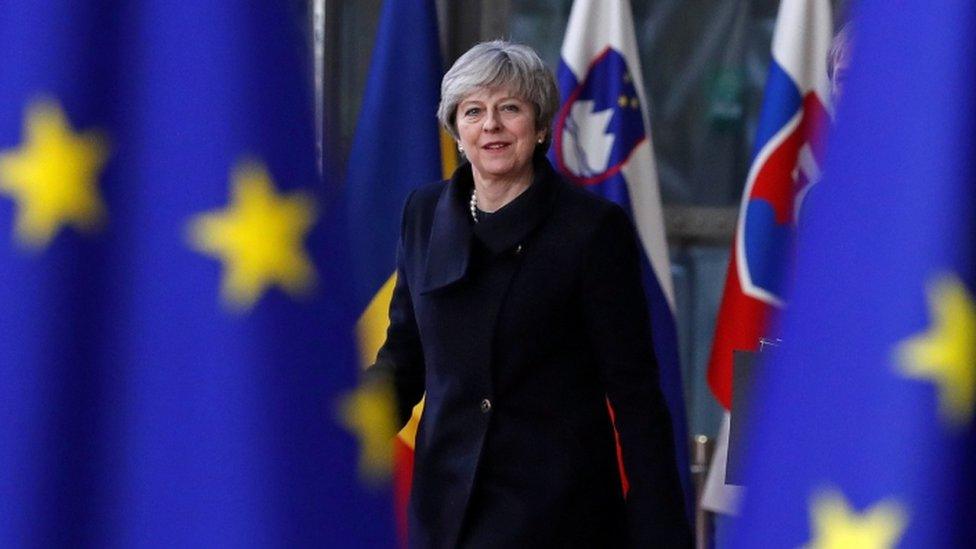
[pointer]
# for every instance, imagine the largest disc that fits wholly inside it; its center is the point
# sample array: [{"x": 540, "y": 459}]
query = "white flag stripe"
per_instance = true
[
  {"x": 645, "y": 199},
  {"x": 594, "y": 25},
  {"x": 804, "y": 58},
  {"x": 719, "y": 497}
]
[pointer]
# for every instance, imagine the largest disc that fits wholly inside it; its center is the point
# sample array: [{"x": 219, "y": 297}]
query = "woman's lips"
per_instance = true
[{"x": 495, "y": 146}]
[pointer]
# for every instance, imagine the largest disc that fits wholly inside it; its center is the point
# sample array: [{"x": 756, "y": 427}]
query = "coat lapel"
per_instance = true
[{"x": 449, "y": 251}]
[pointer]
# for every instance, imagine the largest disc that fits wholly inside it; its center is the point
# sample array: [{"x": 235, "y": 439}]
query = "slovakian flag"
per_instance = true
[
  {"x": 864, "y": 431},
  {"x": 602, "y": 140},
  {"x": 786, "y": 161},
  {"x": 397, "y": 147}
]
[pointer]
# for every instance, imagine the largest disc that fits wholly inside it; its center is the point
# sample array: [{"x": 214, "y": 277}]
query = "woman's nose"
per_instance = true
[{"x": 491, "y": 121}]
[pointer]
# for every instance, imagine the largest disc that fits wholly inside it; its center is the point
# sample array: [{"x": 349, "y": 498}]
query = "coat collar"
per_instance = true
[{"x": 452, "y": 230}]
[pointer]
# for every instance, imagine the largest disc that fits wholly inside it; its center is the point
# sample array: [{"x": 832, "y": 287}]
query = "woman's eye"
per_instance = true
[
  {"x": 511, "y": 108},
  {"x": 471, "y": 112}
]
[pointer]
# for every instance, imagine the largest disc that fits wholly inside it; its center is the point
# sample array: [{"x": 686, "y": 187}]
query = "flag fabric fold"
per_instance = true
[
  {"x": 171, "y": 348},
  {"x": 602, "y": 140},
  {"x": 864, "y": 426}
]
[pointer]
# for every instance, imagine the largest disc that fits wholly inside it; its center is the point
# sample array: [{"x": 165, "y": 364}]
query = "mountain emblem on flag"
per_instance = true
[
  {"x": 586, "y": 145},
  {"x": 601, "y": 123}
]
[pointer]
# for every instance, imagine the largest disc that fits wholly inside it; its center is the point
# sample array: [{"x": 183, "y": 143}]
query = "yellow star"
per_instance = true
[
  {"x": 946, "y": 353},
  {"x": 634, "y": 103},
  {"x": 836, "y": 526},
  {"x": 369, "y": 413},
  {"x": 53, "y": 176},
  {"x": 622, "y": 101},
  {"x": 258, "y": 237}
]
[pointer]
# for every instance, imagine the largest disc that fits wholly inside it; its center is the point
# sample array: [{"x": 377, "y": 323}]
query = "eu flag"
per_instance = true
[
  {"x": 171, "y": 354},
  {"x": 864, "y": 433}
]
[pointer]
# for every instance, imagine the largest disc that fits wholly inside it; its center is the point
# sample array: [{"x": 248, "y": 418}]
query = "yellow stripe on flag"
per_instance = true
[
  {"x": 408, "y": 435},
  {"x": 370, "y": 334},
  {"x": 372, "y": 324},
  {"x": 449, "y": 159}
]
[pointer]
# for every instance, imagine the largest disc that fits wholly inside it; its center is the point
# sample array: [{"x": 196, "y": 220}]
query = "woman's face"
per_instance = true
[{"x": 498, "y": 134}]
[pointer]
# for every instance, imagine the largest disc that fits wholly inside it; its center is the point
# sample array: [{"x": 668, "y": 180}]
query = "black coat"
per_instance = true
[{"x": 519, "y": 329}]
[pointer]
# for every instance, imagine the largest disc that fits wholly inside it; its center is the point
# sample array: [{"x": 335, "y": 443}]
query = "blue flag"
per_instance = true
[
  {"x": 170, "y": 353},
  {"x": 864, "y": 429}
]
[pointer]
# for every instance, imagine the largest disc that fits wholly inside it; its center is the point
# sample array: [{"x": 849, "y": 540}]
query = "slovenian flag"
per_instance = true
[{"x": 602, "y": 140}]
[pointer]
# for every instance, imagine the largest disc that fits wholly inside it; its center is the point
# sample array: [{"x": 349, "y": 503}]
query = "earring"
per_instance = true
[
  {"x": 541, "y": 139},
  {"x": 460, "y": 148}
]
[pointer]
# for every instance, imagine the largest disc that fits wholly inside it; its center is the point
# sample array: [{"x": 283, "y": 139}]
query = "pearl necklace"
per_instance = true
[{"x": 474, "y": 204}]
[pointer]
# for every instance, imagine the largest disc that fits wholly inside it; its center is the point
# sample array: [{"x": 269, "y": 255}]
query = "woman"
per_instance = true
[{"x": 518, "y": 309}]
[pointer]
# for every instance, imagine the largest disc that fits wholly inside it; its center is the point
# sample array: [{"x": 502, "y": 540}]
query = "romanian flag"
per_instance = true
[{"x": 398, "y": 146}]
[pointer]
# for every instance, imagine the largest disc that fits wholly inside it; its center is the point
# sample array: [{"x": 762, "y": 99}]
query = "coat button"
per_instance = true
[{"x": 485, "y": 406}]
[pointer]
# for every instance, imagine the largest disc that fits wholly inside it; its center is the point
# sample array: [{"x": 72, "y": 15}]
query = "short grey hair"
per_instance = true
[{"x": 500, "y": 64}]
